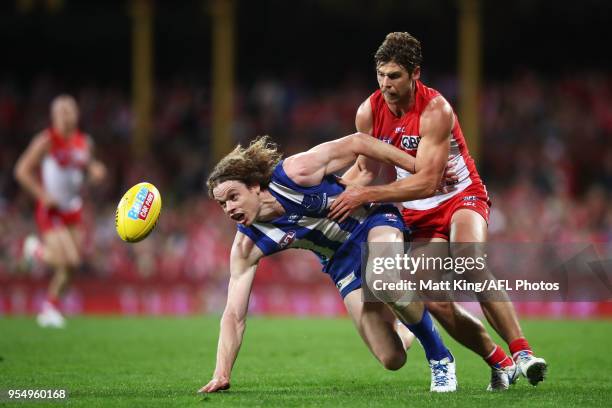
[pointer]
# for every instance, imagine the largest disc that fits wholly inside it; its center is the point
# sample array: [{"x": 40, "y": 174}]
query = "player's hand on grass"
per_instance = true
[
  {"x": 346, "y": 203},
  {"x": 216, "y": 384}
]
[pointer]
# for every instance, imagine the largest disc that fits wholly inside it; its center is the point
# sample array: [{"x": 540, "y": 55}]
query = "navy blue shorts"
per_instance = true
[{"x": 345, "y": 266}]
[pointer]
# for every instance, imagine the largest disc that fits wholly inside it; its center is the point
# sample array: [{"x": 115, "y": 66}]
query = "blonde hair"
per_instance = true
[{"x": 251, "y": 165}]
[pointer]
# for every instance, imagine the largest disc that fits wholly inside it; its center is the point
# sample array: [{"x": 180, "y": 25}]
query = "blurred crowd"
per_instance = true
[{"x": 546, "y": 157}]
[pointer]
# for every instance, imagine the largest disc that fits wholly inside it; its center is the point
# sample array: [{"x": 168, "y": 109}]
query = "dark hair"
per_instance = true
[
  {"x": 401, "y": 48},
  {"x": 251, "y": 165}
]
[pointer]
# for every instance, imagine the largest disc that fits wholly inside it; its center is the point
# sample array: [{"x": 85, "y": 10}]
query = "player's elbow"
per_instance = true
[
  {"x": 20, "y": 172},
  {"x": 430, "y": 189},
  {"x": 429, "y": 186},
  {"x": 233, "y": 318},
  {"x": 358, "y": 143}
]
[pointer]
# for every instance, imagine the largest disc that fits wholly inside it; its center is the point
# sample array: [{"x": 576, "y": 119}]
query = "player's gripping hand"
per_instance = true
[
  {"x": 450, "y": 177},
  {"x": 346, "y": 203},
  {"x": 216, "y": 384}
]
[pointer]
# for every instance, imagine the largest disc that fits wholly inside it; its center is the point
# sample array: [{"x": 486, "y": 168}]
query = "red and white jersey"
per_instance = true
[
  {"x": 403, "y": 132},
  {"x": 63, "y": 168}
]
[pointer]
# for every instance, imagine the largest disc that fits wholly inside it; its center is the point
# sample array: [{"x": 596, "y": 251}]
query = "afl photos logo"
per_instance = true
[{"x": 410, "y": 142}]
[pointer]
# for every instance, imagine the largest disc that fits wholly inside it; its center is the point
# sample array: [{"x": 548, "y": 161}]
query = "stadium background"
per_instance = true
[{"x": 544, "y": 114}]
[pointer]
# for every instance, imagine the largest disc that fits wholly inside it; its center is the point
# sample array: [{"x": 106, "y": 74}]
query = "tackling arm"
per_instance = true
[
  {"x": 243, "y": 264},
  {"x": 309, "y": 168},
  {"x": 435, "y": 128}
]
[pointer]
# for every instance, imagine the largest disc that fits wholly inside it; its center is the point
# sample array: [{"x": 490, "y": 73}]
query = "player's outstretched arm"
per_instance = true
[
  {"x": 26, "y": 169},
  {"x": 431, "y": 161},
  {"x": 309, "y": 168},
  {"x": 243, "y": 264}
]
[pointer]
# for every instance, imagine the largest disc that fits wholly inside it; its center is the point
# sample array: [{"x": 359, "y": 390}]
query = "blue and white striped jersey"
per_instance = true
[{"x": 304, "y": 224}]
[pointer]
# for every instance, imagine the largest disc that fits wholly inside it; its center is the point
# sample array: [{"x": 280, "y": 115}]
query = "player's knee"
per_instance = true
[
  {"x": 57, "y": 259},
  {"x": 393, "y": 360},
  {"x": 73, "y": 262}
]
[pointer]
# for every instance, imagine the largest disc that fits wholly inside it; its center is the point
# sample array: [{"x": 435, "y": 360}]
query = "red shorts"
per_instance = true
[
  {"x": 435, "y": 222},
  {"x": 49, "y": 218}
]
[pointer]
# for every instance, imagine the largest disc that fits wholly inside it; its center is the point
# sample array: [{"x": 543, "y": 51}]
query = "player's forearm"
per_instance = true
[
  {"x": 411, "y": 188},
  {"x": 383, "y": 152},
  {"x": 358, "y": 176},
  {"x": 29, "y": 182},
  {"x": 230, "y": 340}
]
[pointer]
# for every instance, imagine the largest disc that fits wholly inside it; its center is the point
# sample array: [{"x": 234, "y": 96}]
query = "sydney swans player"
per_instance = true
[
  {"x": 280, "y": 204},
  {"x": 64, "y": 156},
  {"x": 418, "y": 120}
]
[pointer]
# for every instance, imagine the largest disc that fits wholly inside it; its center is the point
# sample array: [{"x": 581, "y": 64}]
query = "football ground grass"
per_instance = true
[{"x": 114, "y": 362}]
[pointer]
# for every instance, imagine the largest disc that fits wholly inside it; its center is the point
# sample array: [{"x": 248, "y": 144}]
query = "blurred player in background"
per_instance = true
[
  {"x": 418, "y": 120},
  {"x": 52, "y": 169},
  {"x": 281, "y": 204}
]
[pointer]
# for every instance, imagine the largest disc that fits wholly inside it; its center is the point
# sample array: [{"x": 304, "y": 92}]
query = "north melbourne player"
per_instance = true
[{"x": 281, "y": 204}]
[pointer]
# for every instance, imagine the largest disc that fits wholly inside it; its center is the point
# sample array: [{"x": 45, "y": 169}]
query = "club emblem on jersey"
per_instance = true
[
  {"x": 315, "y": 202},
  {"x": 287, "y": 239},
  {"x": 410, "y": 142}
]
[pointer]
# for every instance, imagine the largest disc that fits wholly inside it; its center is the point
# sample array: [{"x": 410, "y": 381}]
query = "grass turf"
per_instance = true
[{"x": 283, "y": 362}]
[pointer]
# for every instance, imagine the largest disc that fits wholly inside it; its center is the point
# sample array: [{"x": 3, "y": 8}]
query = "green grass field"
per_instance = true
[{"x": 113, "y": 362}]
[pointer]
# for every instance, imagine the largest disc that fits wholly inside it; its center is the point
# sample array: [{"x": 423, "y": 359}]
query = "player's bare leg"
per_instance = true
[
  {"x": 376, "y": 326},
  {"x": 462, "y": 326},
  {"x": 61, "y": 251},
  {"x": 469, "y": 226},
  {"x": 404, "y": 334},
  {"x": 471, "y": 333},
  {"x": 388, "y": 242}
]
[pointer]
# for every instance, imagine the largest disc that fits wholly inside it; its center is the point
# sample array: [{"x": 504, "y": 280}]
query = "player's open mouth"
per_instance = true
[{"x": 239, "y": 218}]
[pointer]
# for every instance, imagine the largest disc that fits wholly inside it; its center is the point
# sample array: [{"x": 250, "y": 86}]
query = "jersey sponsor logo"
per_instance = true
[
  {"x": 410, "y": 142},
  {"x": 287, "y": 239},
  {"x": 391, "y": 217},
  {"x": 470, "y": 198},
  {"x": 142, "y": 204}
]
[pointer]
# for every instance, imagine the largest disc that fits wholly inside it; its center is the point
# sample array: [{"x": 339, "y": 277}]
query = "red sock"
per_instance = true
[
  {"x": 498, "y": 358},
  {"x": 519, "y": 345},
  {"x": 54, "y": 301},
  {"x": 39, "y": 253}
]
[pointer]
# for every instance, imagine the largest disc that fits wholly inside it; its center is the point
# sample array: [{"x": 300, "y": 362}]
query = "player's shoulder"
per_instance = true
[
  {"x": 41, "y": 140},
  {"x": 244, "y": 247},
  {"x": 365, "y": 115},
  {"x": 437, "y": 107}
]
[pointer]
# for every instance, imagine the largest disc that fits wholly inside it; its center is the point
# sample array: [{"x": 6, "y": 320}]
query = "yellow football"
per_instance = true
[{"x": 137, "y": 212}]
